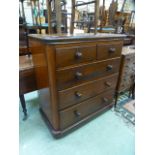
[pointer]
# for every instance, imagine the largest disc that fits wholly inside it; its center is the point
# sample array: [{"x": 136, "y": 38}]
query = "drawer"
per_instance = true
[
  {"x": 109, "y": 50},
  {"x": 75, "y": 113},
  {"x": 76, "y": 75},
  {"x": 80, "y": 93},
  {"x": 74, "y": 55}
]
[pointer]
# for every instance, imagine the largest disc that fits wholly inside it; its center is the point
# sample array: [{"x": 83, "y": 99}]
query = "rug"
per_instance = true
[{"x": 126, "y": 108}]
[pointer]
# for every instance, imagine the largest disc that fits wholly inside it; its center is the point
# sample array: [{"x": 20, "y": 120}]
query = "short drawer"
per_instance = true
[
  {"x": 76, "y": 75},
  {"x": 74, "y": 55},
  {"x": 76, "y": 113},
  {"x": 84, "y": 91},
  {"x": 109, "y": 50}
]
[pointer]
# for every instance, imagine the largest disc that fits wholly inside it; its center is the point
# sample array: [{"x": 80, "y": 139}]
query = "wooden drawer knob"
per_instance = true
[
  {"x": 108, "y": 84},
  {"x": 109, "y": 67},
  {"x": 78, "y": 75},
  {"x": 112, "y": 50},
  {"x": 78, "y": 55},
  {"x": 78, "y": 94},
  {"x": 77, "y": 113}
]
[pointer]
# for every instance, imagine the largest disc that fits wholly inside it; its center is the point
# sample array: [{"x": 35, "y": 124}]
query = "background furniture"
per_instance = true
[
  {"x": 126, "y": 78},
  {"x": 27, "y": 82},
  {"x": 23, "y": 40},
  {"x": 57, "y": 15},
  {"x": 76, "y": 76},
  {"x": 96, "y": 14}
]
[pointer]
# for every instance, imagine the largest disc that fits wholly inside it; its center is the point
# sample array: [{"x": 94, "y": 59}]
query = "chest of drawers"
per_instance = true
[{"x": 76, "y": 77}]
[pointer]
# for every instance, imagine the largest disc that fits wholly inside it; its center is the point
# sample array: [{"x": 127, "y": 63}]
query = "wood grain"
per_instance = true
[
  {"x": 69, "y": 97},
  {"x": 67, "y": 56},
  {"x": 109, "y": 50},
  {"x": 69, "y": 116},
  {"x": 67, "y": 77}
]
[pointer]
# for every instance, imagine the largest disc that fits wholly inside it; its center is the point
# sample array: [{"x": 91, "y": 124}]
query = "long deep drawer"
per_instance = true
[
  {"x": 74, "y": 55},
  {"x": 74, "y": 95},
  {"x": 73, "y": 76},
  {"x": 76, "y": 113},
  {"x": 109, "y": 50}
]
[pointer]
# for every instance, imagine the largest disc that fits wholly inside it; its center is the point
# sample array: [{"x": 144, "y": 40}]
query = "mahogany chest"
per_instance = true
[{"x": 76, "y": 76}]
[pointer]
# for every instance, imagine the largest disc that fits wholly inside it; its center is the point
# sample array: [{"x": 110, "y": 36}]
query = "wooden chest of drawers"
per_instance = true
[{"x": 76, "y": 76}]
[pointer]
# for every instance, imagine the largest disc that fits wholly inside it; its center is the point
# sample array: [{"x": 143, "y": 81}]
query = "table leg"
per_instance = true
[
  {"x": 116, "y": 98},
  {"x": 133, "y": 91},
  {"x": 130, "y": 92},
  {"x": 22, "y": 100}
]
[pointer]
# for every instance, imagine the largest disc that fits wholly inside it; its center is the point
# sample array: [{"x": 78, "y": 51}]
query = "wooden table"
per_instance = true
[{"x": 27, "y": 82}]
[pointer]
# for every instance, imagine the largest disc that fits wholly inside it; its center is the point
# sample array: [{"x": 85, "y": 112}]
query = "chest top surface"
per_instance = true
[{"x": 75, "y": 37}]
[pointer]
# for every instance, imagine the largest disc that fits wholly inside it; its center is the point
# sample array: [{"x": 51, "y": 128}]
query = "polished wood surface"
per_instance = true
[
  {"x": 79, "y": 74},
  {"x": 109, "y": 50},
  {"x": 70, "y": 86},
  {"x": 74, "y": 55},
  {"x": 50, "y": 55},
  {"x": 77, "y": 112},
  {"x": 43, "y": 58},
  {"x": 87, "y": 90},
  {"x": 76, "y": 37}
]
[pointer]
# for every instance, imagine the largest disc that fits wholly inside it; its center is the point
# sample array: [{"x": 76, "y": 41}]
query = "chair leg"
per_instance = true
[
  {"x": 130, "y": 92},
  {"x": 116, "y": 98},
  {"x": 22, "y": 100},
  {"x": 133, "y": 92}
]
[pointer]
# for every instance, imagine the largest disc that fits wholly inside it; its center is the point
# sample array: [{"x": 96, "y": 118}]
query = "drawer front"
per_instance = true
[
  {"x": 80, "y": 93},
  {"x": 74, "y": 55},
  {"x": 76, "y": 113},
  {"x": 73, "y": 76},
  {"x": 109, "y": 50}
]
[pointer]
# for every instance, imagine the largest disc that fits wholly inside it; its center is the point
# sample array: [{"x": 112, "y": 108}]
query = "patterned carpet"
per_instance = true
[{"x": 126, "y": 108}]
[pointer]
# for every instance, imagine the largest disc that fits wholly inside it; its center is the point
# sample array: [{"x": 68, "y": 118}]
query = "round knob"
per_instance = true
[
  {"x": 78, "y": 75},
  {"x": 78, "y": 55},
  {"x": 78, "y": 94},
  {"x": 108, "y": 84},
  {"x": 77, "y": 113},
  {"x": 109, "y": 67},
  {"x": 112, "y": 50}
]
